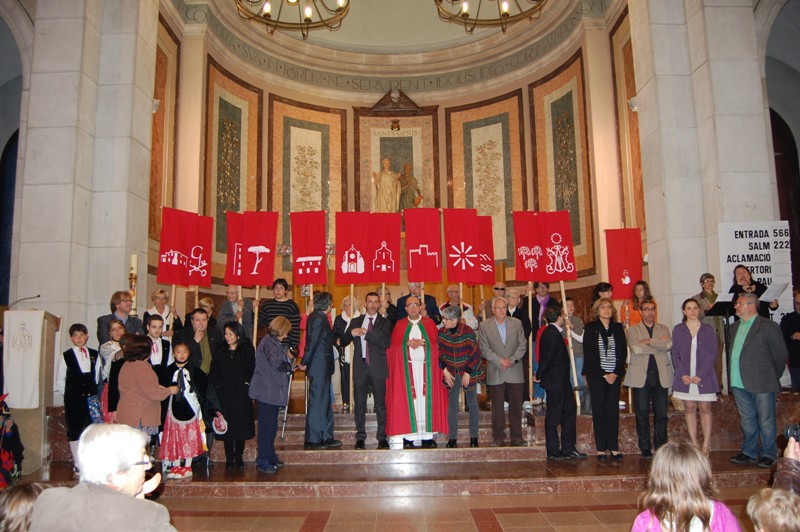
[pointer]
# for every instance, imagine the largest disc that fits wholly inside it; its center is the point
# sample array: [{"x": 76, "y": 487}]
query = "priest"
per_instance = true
[{"x": 416, "y": 398}]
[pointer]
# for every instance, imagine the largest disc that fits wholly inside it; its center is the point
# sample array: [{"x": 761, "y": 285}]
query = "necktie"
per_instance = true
[
  {"x": 155, "y": 348},
  {"x": 366, "y": 345},
  {"x": 84, "y": 353}
]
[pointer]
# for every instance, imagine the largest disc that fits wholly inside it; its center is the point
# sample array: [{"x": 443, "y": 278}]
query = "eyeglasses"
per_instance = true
[
  {"x": 145, "y": 462},
  {"x": 647, "y": 309},
  {"x": 500, "y": 288},
  {"x": 412, "y": 304},
  {"x": 126, "y": 301},
  {"x": 742, "y": 303}
]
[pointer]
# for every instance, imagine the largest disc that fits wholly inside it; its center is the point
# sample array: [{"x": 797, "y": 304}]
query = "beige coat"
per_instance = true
[
  {"x": 493, "y": 350},
  {"x": 640, "y": 355}
]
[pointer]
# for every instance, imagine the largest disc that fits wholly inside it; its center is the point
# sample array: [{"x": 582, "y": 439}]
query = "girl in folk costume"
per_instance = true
[
  {"x": 108, "y": 353},
  {"x": 76, "y": 382},
  {"x": 184, "y": 427}
]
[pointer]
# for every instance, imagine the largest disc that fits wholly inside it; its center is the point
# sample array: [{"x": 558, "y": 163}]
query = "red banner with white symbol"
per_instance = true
[
  {"x": 184, "y": 253},
  {"x": 308, "y": 248},
  {"x": 423, "y": 245},
  {"x": 251, "y": 248},
  {"x": 486, "y": 249},
  {"x": 352, "y": 247},
  {"x": 461, "y": 246},
  {"x": 384, "y": 259},
  {"x": 544, "y": 246},
  {"x": 624, "y": 249}
]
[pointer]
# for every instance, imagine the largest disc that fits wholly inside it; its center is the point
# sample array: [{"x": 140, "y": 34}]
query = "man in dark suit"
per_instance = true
[
  {"x": 371, "y": 334},
  {"x": 429, "y": 310},
  {"x": 317, "y": 362},
  {"x": 502, "y": 344},
  {"x": 201, "y": 340},
  {"x": 758, "y": 357},
  {"x": 554, "y": 369}
]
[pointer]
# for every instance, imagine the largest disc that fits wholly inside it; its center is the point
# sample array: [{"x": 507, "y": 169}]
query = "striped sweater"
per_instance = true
[{"x": 459, "y": 353}]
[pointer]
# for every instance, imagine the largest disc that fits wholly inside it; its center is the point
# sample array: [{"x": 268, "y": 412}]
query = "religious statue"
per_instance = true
[
  {"x": 386, "y": 189},
  {"x": 410, "y": 193}
]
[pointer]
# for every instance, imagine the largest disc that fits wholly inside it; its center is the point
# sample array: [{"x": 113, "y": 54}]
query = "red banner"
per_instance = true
[
  {"x": 486, "y": 249},
  {"x": 251, "y": 248},
  {"x": 544, "y": 246},
  {"x": 352, "y": 247},
  {"x": 423, "y": 245},
  {"x": 308, "y": 248},
  {"x": 384, "y": 236},
  {"x": 461, "y": 246},
  {"x": 184, "y": 255},
  {"x": 624, "y": 249}
]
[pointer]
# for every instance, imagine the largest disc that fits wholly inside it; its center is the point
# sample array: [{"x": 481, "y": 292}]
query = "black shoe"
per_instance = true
[
  {"x": 360, "y": 445},
  {"x": 408, "y": 444},
  {"x": 576, "y": 454},
  {"x": 558, "y": 456},
  {"x": 312, "y": 446},
  {"x": 473, "y": 442},
  {"x": 602, "y": 457},
  {"x": 617, "y": 456},
  {"x": 647, "y": 455},
  {"x": 383, "y": 444},
  {"x": 742, "y": 459},
  {"x": 239, "y": 463},
  {"x": 765, "y": 462},
  {"x": 330, "y": 443},
  {"x": 279, "y": 465},
  {"x": 452, "y": 444},
  {"x": 519, "y": 443},
  {"x": 429, "y": 444},
  {"x": 271, "y": 469},
  {"x": 345, "y": 408}
]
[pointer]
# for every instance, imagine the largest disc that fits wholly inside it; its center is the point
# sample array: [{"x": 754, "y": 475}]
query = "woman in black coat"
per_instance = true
[
  {"x": 232, "y": 368},
  {"x": 605, "y": 350}
]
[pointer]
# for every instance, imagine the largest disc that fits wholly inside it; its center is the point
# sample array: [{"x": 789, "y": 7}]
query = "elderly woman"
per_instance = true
[
  {"x": 172, "y": 322},
  {"x": 140, "y": 394},
  {"x": 232, "y": 367},
  {"x": 605, "y": 350},
  {"x": 340, "y": 325},
  {"x": 462, "y": 367},
  {"x": 270, "y": 390}
]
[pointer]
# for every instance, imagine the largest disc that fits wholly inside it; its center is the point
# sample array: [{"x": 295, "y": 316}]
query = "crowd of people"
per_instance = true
[{"x": 183, "y": 387}]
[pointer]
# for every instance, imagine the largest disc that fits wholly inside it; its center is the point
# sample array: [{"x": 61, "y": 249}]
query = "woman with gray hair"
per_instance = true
[{"x": 462, "y": 367}]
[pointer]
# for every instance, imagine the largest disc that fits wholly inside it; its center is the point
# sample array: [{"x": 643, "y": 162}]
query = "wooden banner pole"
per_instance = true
[
  {"x": 568, "y": 328},
  {"x": 530, "y": 343},
  {"x": 255, "y": 313},
  {"x": 352, "y": 314}
]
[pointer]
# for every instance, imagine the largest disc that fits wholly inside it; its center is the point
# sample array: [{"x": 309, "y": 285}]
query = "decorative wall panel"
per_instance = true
[
  {"x": 486, "y": 164},
  {"x": 561, "y": 155}
]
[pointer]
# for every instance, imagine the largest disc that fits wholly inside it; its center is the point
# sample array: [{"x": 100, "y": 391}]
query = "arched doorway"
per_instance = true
[{"x": 787, "y": 172}]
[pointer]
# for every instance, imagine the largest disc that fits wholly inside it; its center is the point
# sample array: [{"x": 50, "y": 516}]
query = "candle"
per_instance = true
[{"x": 134, "y": 264}]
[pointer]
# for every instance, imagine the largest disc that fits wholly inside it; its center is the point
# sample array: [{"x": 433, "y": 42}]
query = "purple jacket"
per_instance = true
[{"x": 706, "y": 357}]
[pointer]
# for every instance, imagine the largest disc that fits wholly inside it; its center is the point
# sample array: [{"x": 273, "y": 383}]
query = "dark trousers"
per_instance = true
[
  {"x": 561, "y": 410},
  {"x": 362, "y": 383},
  {"x": 344, "y": 378},
  {"x": 234, "y": 450},
  {"x": 319, "y": 417},
  {"x": 498, "y": 394},
  {"x": 651, "y": 392},
  {"x": 605, "y": 412},
  {"x": 267, "y": 430}
]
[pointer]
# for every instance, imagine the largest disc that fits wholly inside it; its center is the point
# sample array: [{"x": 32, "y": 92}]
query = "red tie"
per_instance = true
[
  {"x": 366, "y": 345},
  {"x": 155, "y": 348},
  {"x": 84, "y": 353}
]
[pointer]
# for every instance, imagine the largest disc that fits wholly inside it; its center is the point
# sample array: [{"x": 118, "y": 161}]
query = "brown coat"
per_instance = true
[{"x": 140, "y": 395}]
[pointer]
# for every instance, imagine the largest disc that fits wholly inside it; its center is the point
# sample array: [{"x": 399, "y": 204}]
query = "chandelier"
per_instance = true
[
  {"x": 488, "y": 13},
  {"x": 295, "y": 15}
]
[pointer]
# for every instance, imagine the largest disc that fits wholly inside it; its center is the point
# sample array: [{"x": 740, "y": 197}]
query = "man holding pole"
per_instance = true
[
  {"x": 454, "y": 299},
  {"x": 554, "y": 375},
  {"x": 236, "y": 308}
]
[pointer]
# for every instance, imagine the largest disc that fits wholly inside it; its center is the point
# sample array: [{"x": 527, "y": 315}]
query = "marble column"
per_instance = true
[{"x": 703, "y": 136}]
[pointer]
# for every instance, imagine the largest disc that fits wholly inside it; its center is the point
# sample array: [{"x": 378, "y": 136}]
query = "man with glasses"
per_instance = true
[
  {"x": 757, "y": 358},
  {"x": 429, "y": 310},
  {"x": 498, "y": 290},
  {"x": 650, "y": 374},
  {"x": 416, "y": 397},
  {"x": 121, "y": 304},
  {"x": 113, "y": 463},
  {"x": 502, "y": 344}
]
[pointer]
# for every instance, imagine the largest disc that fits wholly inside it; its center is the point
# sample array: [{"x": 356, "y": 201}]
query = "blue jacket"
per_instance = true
[{"x": 270, "y": 382}]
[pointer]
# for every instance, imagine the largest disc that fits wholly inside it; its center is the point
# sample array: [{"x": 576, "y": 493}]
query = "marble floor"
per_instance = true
[{"x": 563, "y": 512}]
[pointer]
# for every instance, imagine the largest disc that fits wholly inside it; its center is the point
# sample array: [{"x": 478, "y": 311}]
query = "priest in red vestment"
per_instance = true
[{"x": 416, "y": 397}]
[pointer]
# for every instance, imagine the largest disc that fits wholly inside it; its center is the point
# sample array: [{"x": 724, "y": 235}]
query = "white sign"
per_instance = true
[{"x": 764, "y": 248}]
